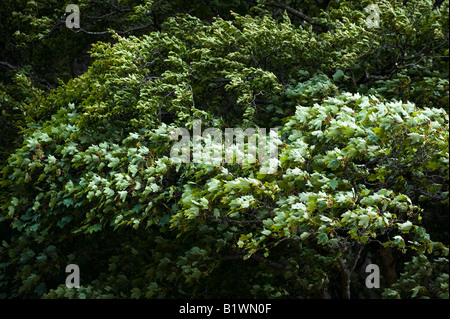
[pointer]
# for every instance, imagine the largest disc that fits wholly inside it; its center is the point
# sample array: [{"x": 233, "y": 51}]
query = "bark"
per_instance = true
[{"x": 347, "y": 270}]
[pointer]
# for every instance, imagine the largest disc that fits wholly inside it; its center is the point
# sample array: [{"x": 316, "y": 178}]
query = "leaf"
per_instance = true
[
  {"x": 339, "y": 75},
  {"x": 68, "y": 202},
  {"x": 304, "y": 235},
  {"x": 266, "y": 232},
  {"x": 325, "y": 219},
  {"x": 322, "y": 238},
  {"x": 416, "y": 138},
  {"x": 136, "y": 293},
  {"x": 123, "y": 195},
  {"x": 405, "y": 227},
  {"x": 397, "y": 239},
  {"x": 109, "y": 192},
  {"x": 90, "y": 195},
  {"x": 136, "y": 208},
  {"x": 364, "y": 220},
  {"x": 334, "y": 164},
  {"x": 416, "y": 290},
  {"x": 133, "y": 169},
  {"x": 15, "y": 201},
  {"x": 65, "y": 220},
  {"x": 94, "y": 228},
  {"x": 333, "y": 184},
  {"x": 213, "y": 185},
  {"x": 433, "y": 165},
  {"x": 36, "y": 205}
]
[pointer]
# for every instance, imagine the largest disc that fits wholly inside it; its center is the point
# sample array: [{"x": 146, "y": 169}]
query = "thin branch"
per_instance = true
[
  {"x": 221, "y": 80},
  {"x": 295, "y": 12},
  {"x": 43, "y": 81},
  {"x": 268, "y": 262},
  {"x": 155, "y": 22},
  {"x": 114, "y": 4},
  {"x": 7, "y": 65},
  {"x": 118, "y": 32},
  {"x": 99, "y": 17},
  {"x": 257, "y": 258},
  {"x": 233, "y": 257},
  {"x": 213, "y": 9}
]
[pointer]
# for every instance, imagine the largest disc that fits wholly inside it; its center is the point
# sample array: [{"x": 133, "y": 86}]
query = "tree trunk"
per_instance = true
[{"x": 347, "y": 270}]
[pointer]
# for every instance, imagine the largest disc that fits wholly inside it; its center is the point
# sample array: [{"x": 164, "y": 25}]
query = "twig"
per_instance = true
[
  {"x": 118, "y": 32},
  {"x": 295, "y": 12},
  {"x": 7, "y": 65}
]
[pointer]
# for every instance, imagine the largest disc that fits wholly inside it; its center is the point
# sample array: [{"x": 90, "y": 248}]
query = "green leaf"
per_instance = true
[
  {"x": 405, "y": 227},
  {"x": 304, "y": 235},
  {"x": 136, "y": 293},
  {"x": 322, "y": 238},
  {"x": 434, "y": 165},
  {"x": 123, "y": 195},
  {"x": 339, "y": 75},
  {"x": 333, "y": 183},
  {"x": 397, "y": 239},
  {"x": 65, "y": 220},
  {"x": 364, "y": 220},
  {"x": 68, "y": 202},
  {"x": 266, "y": 232},
  {"x": 15, "y": 201},
  {"x": 94, "y": 228},
  {"x": 334, "y": 164}
]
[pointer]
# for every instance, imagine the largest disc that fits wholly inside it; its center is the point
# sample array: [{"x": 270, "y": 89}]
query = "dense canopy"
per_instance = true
[{"x": 362, "y": 166}]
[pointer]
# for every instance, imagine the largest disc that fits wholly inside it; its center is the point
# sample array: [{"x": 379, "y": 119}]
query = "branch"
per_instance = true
[
  {"x": 258, "y": 258},
  {"x": 268, "y": 262},
  {"x": 118, "y": 32},
  {"x": 402, "y": 59},
  {"x": 102, "y": 16},
  {"x": 233, "y": 257},
  {"x": 55, "y": 27},
  {"x": 240, "y": 222},
  {"x": 295, "y": 12},
  {"x": 155, "y": 22},
  {"x": 7, "y": 65},
  {"x": 43, "y": 81},
  {"x": 114, "y": 4},
  {"x": 213, "y": 9},
  {"x": 347, "y": 271}
]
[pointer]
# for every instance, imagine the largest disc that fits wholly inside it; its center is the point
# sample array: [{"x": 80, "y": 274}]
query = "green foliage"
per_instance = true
[
  {"x": 424, "y": 278},
  {"x": 362, "y": 161},
  {"x": 404, "y": 59},
  {"x": 320, "y": 197}
]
